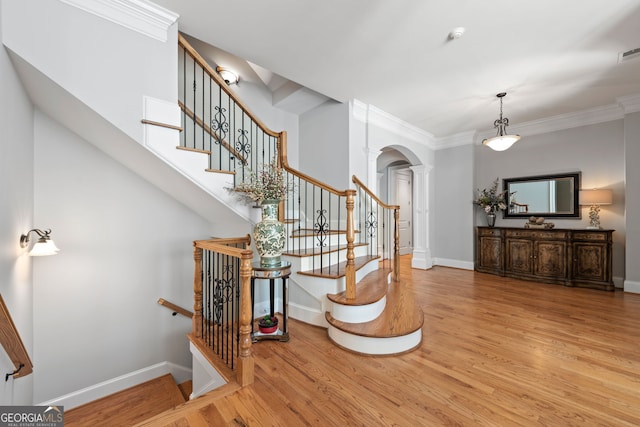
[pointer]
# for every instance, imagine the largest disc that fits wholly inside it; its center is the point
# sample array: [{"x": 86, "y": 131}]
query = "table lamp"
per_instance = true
[{"x": 595, "y": 199}]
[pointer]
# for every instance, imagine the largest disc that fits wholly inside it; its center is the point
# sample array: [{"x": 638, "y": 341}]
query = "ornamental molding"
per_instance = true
[
  {"x": 142, "y": 16},
  {"x": 371, "y": 115}
]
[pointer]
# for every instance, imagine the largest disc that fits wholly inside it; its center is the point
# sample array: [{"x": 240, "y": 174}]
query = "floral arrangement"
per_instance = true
[
  {"x": 491, "y": 200},
  {"x": 268, "y": 183}
]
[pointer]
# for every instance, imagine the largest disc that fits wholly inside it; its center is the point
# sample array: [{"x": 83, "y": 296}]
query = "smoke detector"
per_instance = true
[{"x": 456, "y": 33}]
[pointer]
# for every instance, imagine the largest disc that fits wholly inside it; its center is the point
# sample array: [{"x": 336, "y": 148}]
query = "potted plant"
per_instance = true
[
  {"x": 492, "y": 200},
  {"x": 268, "y": 324},
  {"x": 267, "y": 187}
]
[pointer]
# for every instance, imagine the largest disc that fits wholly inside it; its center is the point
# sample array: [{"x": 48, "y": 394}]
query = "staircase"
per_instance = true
[
  {"x": 132, "y": 405},
  {"x": 342, "y": 243}
]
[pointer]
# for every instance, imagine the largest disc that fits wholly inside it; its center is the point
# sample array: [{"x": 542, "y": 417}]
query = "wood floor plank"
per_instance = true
[
  {"x": 495, "y": 352},
  {"x": 128, "y": 406}
]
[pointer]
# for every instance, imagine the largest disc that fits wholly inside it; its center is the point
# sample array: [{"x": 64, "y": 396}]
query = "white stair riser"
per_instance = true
[
  {"x": 358, "y": 313},
  {"x": 311, "y": 262},
  {"x": 375, "y": 346}
]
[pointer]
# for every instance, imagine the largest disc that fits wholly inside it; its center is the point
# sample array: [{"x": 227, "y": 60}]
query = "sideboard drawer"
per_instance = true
[{"x": 592, "y": 236}]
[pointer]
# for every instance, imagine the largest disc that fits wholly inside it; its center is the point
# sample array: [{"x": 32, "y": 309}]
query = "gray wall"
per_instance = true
[
  {"x": 598, "y": 151},
  {"x": 632, "y": 214},
  {"x": 124, "y": 244},
  {"x": 16, "y": 217},
  {"x": 452, "y": 220},
  {"x": 324, "y": 144}
]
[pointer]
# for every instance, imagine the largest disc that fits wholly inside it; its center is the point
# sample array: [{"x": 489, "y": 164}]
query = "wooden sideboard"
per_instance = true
[{"x": 570, "y": 257}]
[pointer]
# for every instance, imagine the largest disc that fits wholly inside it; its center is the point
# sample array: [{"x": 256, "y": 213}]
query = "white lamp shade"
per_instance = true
[
  {"x": 501, "y": 143},
  {"x": 596, "y": 197},
  {"x": 44, "y": 248}
]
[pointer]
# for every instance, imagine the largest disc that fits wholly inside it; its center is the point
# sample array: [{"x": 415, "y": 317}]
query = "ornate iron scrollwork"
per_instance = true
[
  {"x": 242, "y": 144},
  {"x": 321, "y": 227},
  {"x": 223, "y": 293},
  {"x": 371, "y": 225},
  {"x": 219, "y": 124}
]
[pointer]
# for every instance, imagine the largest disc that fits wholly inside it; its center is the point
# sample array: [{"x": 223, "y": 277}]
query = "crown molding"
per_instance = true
[
  {"x": 457, "y": 140},
  {"x": 576, "y": 119},
  {"x": 142, "y": 16},
  {"x": 630, "y": 103},
  {"x": 369, "y": 114}
]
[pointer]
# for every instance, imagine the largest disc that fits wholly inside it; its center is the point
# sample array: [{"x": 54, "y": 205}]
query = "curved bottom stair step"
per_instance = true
[
  {"x": 370, "y": 300},
  {"x": 397, "y": 330}
]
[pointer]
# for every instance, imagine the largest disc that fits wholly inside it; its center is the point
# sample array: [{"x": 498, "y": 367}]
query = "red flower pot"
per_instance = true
[{"x": 268, "y": 325}]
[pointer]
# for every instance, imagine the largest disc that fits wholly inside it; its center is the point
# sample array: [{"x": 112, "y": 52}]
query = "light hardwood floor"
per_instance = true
[{"x": 495, "y": 352}]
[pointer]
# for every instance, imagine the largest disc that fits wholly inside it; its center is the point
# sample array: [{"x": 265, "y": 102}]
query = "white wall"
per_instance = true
[
  {"x": 632, "y": 213},
  {"x": 324, "y": 144},
  {"x": 452, "y": 236},
  {"x": 124, "y": 244},
  {"x": 16, "y": 217},
  {"x": 595, "y": 150},
  {"x": 258, "y": 98},
  {"x": 76, "y": 49}
]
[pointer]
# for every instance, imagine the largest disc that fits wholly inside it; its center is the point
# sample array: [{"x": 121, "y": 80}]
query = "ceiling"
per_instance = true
[{"x": 551, "y": 57}]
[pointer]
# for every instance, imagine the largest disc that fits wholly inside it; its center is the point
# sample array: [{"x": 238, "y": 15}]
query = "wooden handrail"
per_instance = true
[
  {"x": 211, "y": 245},
  {"x": 232, "y": 240},
  {"x": 175, "y": 308},
  {"x": 360, "y": 184},
  {"x": 13, "y": 345},
  {"x": 182, "y": 41}
]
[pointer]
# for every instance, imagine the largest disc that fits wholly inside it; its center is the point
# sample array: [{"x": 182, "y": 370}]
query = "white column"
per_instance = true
[
  {"x": 372, "y": 169},
  {"x": 421, "y": 252}
]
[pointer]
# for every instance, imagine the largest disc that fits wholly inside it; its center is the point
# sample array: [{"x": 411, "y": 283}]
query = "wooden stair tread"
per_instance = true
[
  {"x": 129, "y": 406},
  {"x": 186, "y": 388},
  {"x": 194, "y": 412},
  {"x": 401, "y": 316},
  {"x": 318, "y": 251},
  {"x": 336, "y": 271},
  {"x": 372, "y": 288}
]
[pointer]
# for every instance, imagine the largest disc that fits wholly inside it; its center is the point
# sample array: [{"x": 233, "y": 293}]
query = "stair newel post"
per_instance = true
[
  {"x": 197, "y": 291},
  {"x": 245, "y": 362},
  {"x": 350, "y": 270},
  {"x": 396, "y": 243}
]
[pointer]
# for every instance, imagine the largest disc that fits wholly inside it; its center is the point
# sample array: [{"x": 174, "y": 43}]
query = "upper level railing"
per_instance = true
[
  {"x": 222, "y": 302},
  {"x": 215, "y": 121},
  {"x": 320, "y": 219}
]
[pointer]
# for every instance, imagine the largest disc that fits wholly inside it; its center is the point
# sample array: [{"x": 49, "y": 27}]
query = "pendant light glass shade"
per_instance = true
[{"x": 502, "y": 140}]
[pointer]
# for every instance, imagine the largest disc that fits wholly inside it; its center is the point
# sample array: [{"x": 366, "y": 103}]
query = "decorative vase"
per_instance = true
[
  {"x": 491, "y": 219},
  {"x": 269, "y": 235}
]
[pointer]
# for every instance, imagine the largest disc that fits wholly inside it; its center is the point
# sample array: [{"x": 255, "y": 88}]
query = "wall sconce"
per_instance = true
[
  {"x": 229, "y": 77},
  {"x": 44, "y": 245},
  {"x": 595, "y": 199}
]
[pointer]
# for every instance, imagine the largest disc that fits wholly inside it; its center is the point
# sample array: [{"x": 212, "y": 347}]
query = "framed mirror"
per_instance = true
[{"x": 544, "y": 195}]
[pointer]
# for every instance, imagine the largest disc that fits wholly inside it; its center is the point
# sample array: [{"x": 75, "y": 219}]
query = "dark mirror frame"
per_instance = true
[{"x": 576, "y": 176}]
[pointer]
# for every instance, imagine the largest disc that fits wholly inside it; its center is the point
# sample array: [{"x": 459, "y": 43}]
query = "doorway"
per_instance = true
[{"x": 401, "y": 194}]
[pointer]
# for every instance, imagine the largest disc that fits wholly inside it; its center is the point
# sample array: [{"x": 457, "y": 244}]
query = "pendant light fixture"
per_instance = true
[{"x": 502, "y": 140}]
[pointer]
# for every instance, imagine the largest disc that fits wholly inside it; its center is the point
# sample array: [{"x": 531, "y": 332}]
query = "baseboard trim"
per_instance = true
[
  {"x": 123, "y": 382},
  {"x": 421, "y": 259},
  {"x": 454, "y": 263},
  {"x": 633, "y": 287},
  {"x": 307, "y": 315}
]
